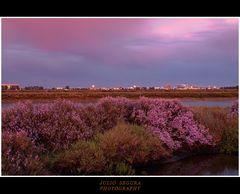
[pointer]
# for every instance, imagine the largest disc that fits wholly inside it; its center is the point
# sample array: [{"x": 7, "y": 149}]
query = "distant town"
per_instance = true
[{"x": 130, "y": 88}]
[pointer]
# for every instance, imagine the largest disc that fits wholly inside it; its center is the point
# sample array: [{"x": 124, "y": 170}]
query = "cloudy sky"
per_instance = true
[{"x": 112, "y": 52}]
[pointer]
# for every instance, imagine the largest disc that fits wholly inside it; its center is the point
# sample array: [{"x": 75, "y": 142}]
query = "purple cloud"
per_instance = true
[{"x": 120, "y": 51}]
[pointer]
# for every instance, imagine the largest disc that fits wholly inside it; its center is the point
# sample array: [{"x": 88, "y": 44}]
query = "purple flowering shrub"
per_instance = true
[
  {"x": 173, "y": 123},
  {"x": 112, "y": 110},
  {"x": 59, "y": 124},
  {"x": 55, "y": 125},
  {"x": 153, "y": 129},
  {"x": 105, "y": 114},
  {"x": 20, "y": 156}
]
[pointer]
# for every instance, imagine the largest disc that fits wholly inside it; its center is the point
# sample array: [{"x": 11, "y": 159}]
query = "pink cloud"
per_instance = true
[
  {"x": 56, "y": 33},
  {"x": 185, "y": 28},
  {"x": 116, "y": 40},
  {"x": 119, "y": 50}
]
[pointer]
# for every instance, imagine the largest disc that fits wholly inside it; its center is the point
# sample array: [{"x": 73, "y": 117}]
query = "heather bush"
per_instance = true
[
  {"x": 20, "y": 156},
  {"x": 173, "y": 123},
  {"x": 104, "y": 115},
  {"x": 59, "y": 124},
  {"x": 55, "y": 125},
  {"x": 110, "y": 111},
  {"x": 115, "y": 134}
]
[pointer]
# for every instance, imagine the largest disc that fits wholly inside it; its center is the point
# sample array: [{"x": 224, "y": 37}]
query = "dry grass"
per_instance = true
[
  {"x": 214, "y": 118},
  {"x": 222, "y": 127},
  {"x": 84, "y": 95}
]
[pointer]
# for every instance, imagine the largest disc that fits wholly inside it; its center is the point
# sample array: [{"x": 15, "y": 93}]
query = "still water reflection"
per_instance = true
[
  {"x": 198, "y": 165},
  {"x": 187, "y": 102}
]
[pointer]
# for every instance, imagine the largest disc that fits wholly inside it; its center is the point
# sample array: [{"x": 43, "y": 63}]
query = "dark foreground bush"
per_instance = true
[
  {"x": 229, "y": 142},
  {"x": 130, "y": 144},
  {"x": 113, "y": 152},
  {"x": 120, "y": 169},
  {"x": 84, "y": 157}
]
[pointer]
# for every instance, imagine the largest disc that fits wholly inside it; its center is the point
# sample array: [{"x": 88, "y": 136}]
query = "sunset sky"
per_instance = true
[{"x": 113, "y": 52}]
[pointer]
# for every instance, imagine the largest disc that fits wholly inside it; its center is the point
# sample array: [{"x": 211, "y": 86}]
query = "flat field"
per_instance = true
[{"x": 85, "y": 95}]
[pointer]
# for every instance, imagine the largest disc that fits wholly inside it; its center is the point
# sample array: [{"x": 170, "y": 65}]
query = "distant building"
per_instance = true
[
  {"x": 229, "y": 87},
  {"x": 105, "y": 89},
  {"x": 187, "y": 87},
  {"x": 181, "y": 87},
  {"x": 34, "y": 88},
  {"x": 193, "y": 87},
  {"x": 10, "y": 87},
  {"x": 212, "y": 87},
  {"x": 167, "y": 87}
]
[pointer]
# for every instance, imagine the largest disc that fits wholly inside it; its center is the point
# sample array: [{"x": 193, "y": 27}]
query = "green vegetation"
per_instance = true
[
  {"x": 214, "y": 118},
  {"x": 120, "y": 169},
  {"x": 116, "y": 151},
  {"x": 84, "y": 157},
  {"x": 86, "y": 95},
  {"x": 222, "y": 127},
  {"x": 229, "y": 143}
]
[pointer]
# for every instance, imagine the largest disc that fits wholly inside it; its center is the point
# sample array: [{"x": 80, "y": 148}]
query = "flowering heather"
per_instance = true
[
  {"x": 106, "y": 113},
  {"x": 20, "y": 156},
  {"x": 172, "y": 122},
  {"x": 59, "y": 124},
  {"x": 54, "y": 127}
]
